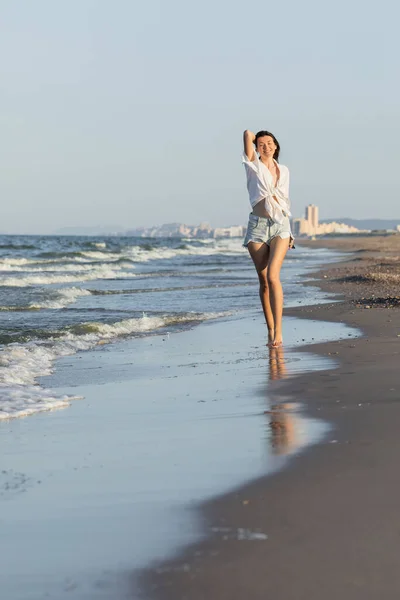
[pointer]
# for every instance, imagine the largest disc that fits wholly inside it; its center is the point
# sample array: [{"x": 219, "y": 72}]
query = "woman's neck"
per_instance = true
[{"x": 268, "y": 162}]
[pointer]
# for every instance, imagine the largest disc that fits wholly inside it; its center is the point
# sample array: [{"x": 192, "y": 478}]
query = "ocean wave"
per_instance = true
[
  {"x": 92, "y": 265},
  {"x": 22, "y": 401},
  {"x": 98, "y": 255},
  {"x": 17, "y": 247},
  {"x": 145, "y": 252},
  {"x": 58, "y": 299},
  {"x": 58, "y": 254},
  {"x": 137, "y": 325},
  {"x": 125, "y": 255},
  {"x": 62, "y": 298},
  {"x": 100, "y": 273},
  {"x": 22, "y": 364},
  {"x": 89, "y": 331},
  {"x": 227, "y": 247},
  {"x": 33, "y": 267},
  {"x": 96, "y": 244},
  {"x": 6, "y": 263},
  {"x": 178, "y": 288},
  {"x": 78, "y": 255}
]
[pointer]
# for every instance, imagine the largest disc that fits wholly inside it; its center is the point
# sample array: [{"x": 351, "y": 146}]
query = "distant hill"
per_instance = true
[{"x": 367, "y": 223}]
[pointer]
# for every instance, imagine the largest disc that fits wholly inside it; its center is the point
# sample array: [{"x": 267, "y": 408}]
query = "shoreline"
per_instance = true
[
  {"x": 166, "y": 421},
  {"x": 323, "y": 526},
  {"x": 121, "y": 472}
]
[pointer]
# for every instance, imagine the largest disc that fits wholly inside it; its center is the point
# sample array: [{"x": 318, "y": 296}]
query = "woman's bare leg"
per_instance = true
[
  {"x": 260, "y": 256},
  {"x": 278, "y": 249}
]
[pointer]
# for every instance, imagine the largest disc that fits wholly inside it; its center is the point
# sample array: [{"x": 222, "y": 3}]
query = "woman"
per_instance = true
[{"x": 268, "y": 234}]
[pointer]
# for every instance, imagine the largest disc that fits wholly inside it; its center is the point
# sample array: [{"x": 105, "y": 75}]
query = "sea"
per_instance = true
[
  {"x": 155, "y": 349},
  {"x": 60, "y": 295}
]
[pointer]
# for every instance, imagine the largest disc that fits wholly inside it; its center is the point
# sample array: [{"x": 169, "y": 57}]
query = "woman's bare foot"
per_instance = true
[
  {"x": 277, "y": 342},
  {"x": 271, "y": 336}
]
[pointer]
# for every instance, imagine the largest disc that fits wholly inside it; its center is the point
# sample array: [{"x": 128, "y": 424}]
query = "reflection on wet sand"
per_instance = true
[
  {"x": 277, "y": 367},
  {"x": 284, "y": 424}
]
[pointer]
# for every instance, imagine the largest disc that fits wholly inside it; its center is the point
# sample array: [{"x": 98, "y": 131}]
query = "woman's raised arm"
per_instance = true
[{"x": 248, "y": 143}]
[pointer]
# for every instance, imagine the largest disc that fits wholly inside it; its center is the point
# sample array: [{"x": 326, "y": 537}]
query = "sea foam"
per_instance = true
[
  {"x": 22, "y": 364},
  {"x": 225, "y": 247},
  {"x": 91, "y": 275}
]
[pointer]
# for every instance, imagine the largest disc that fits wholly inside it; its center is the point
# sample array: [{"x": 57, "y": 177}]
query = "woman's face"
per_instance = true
[{"x": 266, "y": 146}]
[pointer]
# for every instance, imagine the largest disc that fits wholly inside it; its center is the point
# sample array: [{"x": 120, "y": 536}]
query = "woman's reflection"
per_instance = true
[
  {"x": 277, "y": 367},
  {"x": 283, "y": 420}
]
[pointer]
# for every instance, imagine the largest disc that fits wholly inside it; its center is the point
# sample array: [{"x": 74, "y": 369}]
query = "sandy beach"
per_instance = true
[
  {"x": 164, "y": 434},
  {"x": 200, "y": 465},
  {"x": 113, "y": 482},
  {"x": 371, "y": 276},
  {"x": 325, "y": 526}
]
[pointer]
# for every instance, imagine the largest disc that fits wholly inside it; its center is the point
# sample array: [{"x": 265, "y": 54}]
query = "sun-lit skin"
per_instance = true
[
  {"x": 268, "y": 259},
  {"x": 266, "y": 148}
]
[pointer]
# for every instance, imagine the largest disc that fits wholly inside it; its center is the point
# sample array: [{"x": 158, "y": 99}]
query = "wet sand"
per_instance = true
[
  {"x": 327, "y": 525},
  {"x": 371, "y": 275},
  {"x": 144, "y": 466},
  {"x": 110, "y": 484}
]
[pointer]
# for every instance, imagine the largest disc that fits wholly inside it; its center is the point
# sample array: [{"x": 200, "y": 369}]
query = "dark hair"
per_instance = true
[{"x": 264, "y": 133}]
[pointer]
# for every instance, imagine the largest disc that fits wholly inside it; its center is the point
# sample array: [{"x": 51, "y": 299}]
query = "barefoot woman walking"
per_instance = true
[{"x": 268, "y": 234}]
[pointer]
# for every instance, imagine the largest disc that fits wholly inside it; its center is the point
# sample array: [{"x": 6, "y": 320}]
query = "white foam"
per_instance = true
[
  {"x": 90, "y": 260},
  {"x": 100, "y": 256},
  {"x": 228, "y": 247},
  {"x": 98, "y": 244},
  {"x": 27, "y": 400},
  {"x": 89, "y": 275},
  {"x": 14, "y": 261},
  {"x": 22, "y": 364},
  {"x": 105, "y": 331},
  {"x": 61, "y": 261},
  {"x": 91, "y": 265},
  {"x": 65, "y": 267},
  {"x": 65, "y": 296},
  {"x": 59, "y": 299}
]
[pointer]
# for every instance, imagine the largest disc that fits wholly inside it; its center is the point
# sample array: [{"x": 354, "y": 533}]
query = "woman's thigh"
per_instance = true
[
  {"x": 260, "y": 254},
  {"x": 277, "y": 252}
]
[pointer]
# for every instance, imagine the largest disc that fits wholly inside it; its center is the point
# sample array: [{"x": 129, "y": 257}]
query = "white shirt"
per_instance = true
[{"x": 260, "y": 184}]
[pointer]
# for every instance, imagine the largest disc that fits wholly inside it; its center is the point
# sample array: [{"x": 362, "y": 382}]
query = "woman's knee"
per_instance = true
[
  {"x": 273, "y": 278},
  {"x": 262, "y": 278}
]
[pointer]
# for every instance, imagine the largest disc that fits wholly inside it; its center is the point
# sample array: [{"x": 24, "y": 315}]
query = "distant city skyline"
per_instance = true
[
  {"x": 133, "y": 113},
  {"x": 308, "y": 225}
]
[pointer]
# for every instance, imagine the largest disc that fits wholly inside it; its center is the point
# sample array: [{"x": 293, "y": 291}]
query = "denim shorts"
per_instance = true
[{"x": 263, "y": 230}]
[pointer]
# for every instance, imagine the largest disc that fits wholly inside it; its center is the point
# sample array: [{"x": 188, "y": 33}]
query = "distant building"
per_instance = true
[
  {"x": 180, "y": 230},
  {"x": 312, "y": 218},
  {"x": 310, "y": 225},
  {"x": 203, "y": 231},
  {"x": 228, "y": 232},
  {"x": 300, "y": 227},
  {"x": 204, "y": 226},
  {"x": 334, "y": 227}
]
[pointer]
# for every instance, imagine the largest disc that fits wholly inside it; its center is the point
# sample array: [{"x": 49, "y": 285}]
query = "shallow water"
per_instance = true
[
  {"x": 176, "y": 402},
  {"x": 63, "y": 295},
  {"x": 166, "y": 423}
]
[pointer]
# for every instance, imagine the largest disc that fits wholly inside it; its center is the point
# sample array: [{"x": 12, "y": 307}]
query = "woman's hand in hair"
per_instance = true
[{"x": 248, "y": 143}]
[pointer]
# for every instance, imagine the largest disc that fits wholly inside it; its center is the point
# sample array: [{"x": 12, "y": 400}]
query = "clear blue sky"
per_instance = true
[{"x": 117, "y": 112}]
